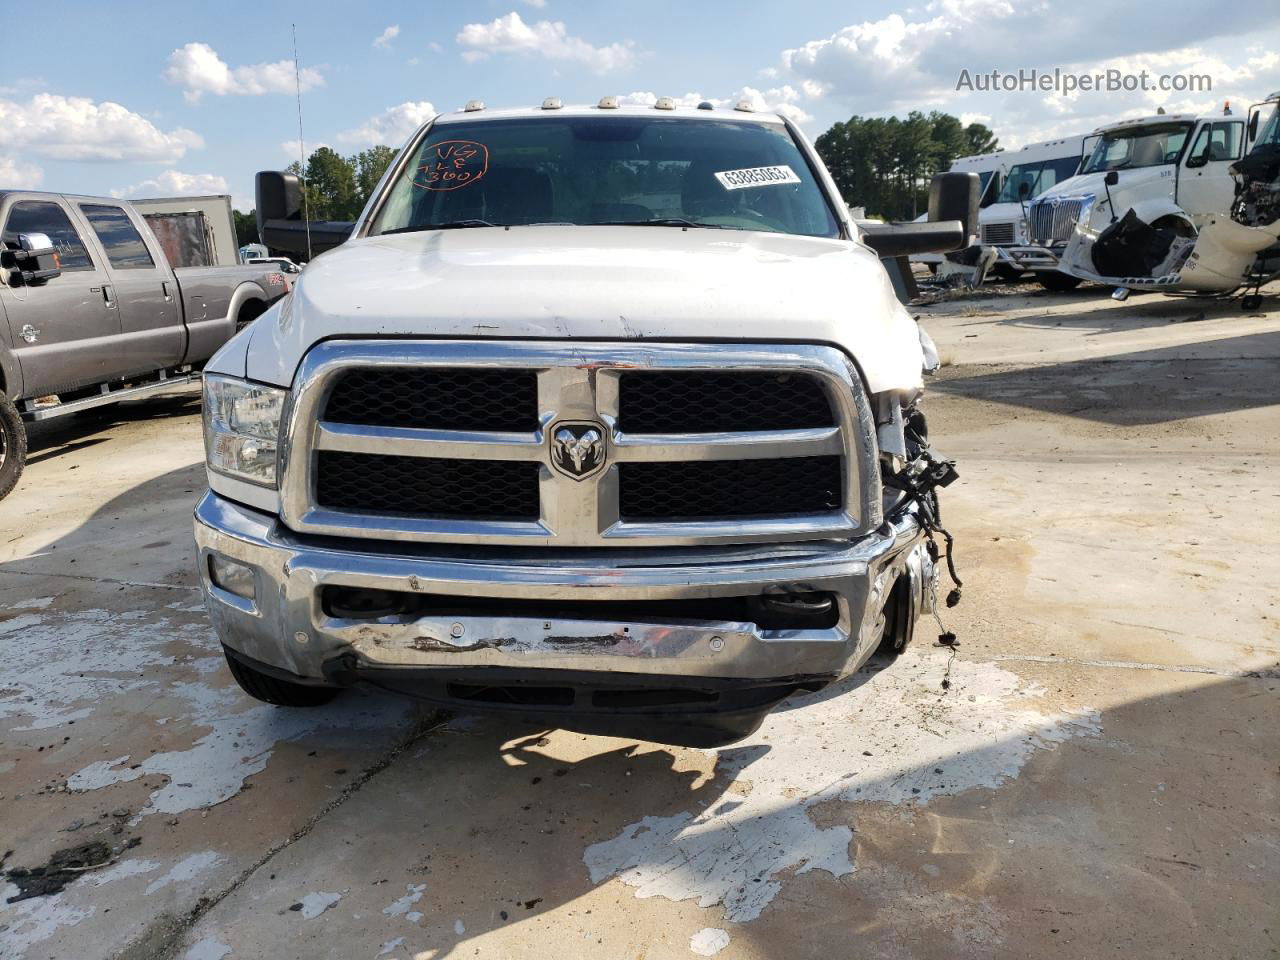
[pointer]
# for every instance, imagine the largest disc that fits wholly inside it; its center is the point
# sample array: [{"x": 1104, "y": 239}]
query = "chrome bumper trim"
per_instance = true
[{"x": 286, "y": 627}]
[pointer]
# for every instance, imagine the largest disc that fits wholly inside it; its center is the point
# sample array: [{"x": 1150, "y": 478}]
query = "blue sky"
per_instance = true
[{"x": 144, "y": 99}]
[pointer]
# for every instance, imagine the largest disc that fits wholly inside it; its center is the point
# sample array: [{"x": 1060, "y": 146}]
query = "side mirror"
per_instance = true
[
  {"x": 1197, "y": 161},
  {"x": 1024, "y": 190},
  {"x": 1112, "y": 178},
  {"x": 280, "y": 218},
  {"x": 1253, "y": 125},
  {"x": 955, "y": 196},
  {"x": 36, "y": 260}
]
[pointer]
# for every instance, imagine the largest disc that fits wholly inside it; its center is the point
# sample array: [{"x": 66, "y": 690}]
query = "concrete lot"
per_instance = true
[{"x": 1101, "y": 778}]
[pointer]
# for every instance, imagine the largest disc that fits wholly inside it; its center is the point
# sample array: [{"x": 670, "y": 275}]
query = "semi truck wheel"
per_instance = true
[
  {"x": 13, "y": 446},
  {"x": 269, "y": 689},
  {"x": 1057, "y": 282}
]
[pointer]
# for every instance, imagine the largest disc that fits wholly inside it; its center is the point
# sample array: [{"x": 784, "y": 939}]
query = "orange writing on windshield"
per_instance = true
[{"x": 451, "y": 164}]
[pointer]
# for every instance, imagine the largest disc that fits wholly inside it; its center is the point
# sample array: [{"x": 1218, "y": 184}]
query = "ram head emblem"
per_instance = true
[{"x": 577, "y": 449}]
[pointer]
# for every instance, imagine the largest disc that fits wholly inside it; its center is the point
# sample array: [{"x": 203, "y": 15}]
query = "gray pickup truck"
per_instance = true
[{"x": 92, "y": 313}]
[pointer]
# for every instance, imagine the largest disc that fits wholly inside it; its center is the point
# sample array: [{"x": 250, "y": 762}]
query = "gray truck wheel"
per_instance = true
[
  {"x": 269, "y": 689},
  {"x": 13, "y": 446}
]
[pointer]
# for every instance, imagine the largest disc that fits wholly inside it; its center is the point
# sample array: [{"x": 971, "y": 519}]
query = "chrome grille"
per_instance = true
[
  {"x": 1053, "y": 220},
  {"x": 702, "y": 444},
  {"x": 998, "y": 234}
]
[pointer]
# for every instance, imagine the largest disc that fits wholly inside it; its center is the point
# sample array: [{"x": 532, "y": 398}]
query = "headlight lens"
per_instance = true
[{"x": 242, "y": 428}]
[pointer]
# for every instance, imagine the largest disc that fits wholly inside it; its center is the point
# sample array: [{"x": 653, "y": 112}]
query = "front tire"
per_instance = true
[
  {"x": 269, "y": 689},
  {"x": 899, "y": 618},
  {"x": 1058, "y": 282},
  {"x": 13, "y": 446}
]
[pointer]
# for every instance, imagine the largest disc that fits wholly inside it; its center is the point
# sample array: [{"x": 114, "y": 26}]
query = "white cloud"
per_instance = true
[
  {"x": 77, "y": 128},
  {"x": 392, "y": 126},
  {"x": 435, "y": 47},
  {"x": 198, "y": 69},
  {"x": 16, "y": 174},
  {"x": 540, "y": 4},
  {"x": 291, "y": 149},
  {"x": 174, "y": 183},
  {"x": 546, "y": 38},
  {"x": 384, "y": 39},
  {"x": 914, "y": 59}
]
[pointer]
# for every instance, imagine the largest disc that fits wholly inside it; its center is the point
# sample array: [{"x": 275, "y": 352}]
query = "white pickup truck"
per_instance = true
[{"x": 606, "y": 414}]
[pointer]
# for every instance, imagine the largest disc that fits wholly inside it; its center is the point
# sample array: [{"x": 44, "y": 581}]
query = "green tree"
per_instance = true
[
  {"x": 246, "y": 227},
  {"x": 885, "y": 164},
  {"x": 332, "y": 179},
  {"x": 369, "y": 166},
  {"x": 980, "y": 140}
]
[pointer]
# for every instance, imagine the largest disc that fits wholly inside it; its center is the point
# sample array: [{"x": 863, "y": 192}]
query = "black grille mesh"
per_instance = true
[
  {"x": 427, "y": 486},
  {"x": 718, "y": 489},
  {"x": 712, "y": 402},
  {"x": 437, "y": 399}
]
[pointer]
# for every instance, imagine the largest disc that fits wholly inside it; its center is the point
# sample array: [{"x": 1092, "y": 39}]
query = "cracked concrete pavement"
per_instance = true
[{"x": 1100, "y": 779}]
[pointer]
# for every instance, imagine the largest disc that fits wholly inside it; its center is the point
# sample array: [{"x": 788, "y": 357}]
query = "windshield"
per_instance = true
[
  {"x": 1270, "y": 135},
  {"x": 1039, "y": 177},
  {"x": 608, "y": 170},
  {"x": 1149, "y": 146}
]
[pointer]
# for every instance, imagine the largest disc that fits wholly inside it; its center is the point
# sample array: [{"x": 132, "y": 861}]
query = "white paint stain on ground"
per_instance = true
[
  {"x": 459, "y": 927},
  {"x": 188, "y": 868},
  {"x": 123, "y": 870},
  {"x": 708, "y": 941},
  {"x": 28, "y": 922},
  {"x": 74, "y": 662},
  {"x": 892, "y": 737},
  {"x": 412, "y": 895},
  {"x": 314, "y": 904},
  {"x": 78, "y": 658},
  {"x": 390, "y": 945},
  {"x": 39, "y": 603},
  {"x": 210, "y": 948}
]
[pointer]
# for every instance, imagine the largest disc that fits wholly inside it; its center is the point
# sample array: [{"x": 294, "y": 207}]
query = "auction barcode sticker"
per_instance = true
[{"x": 756, "y": 177}]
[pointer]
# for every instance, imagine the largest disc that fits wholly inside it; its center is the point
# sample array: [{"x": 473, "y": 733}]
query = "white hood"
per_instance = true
[{"x": 597, "y": 283}]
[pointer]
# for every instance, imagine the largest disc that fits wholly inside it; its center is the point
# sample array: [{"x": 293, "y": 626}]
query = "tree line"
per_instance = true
[{"x": 883, "y": 164}]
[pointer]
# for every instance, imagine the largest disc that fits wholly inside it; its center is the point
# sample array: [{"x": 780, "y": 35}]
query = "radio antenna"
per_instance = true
[{"x": 302, "y": 150}]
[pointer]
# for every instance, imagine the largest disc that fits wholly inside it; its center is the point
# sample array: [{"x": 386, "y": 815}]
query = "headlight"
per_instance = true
[{"x": 242, "y": 428}]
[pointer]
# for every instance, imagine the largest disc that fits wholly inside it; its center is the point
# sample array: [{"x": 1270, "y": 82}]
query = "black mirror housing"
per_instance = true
[
  {"x": 281, "y": 223},
  {"x": 955, "y": 196},
  {"x": 1111, "y": 179},
  {"x": 1024, "y": 190}
]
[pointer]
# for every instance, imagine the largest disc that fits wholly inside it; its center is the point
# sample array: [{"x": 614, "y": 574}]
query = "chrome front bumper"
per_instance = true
[
  {"x": 1030, "y": 256},
  {"x": 286, "y": 628}
]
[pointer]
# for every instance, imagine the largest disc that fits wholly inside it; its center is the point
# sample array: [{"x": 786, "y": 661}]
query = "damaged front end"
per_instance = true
[{"x": 1226, "y": 252}]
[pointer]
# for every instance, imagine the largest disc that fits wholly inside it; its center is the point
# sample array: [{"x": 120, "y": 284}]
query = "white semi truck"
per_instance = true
[{"x": 1173, "y": 171}]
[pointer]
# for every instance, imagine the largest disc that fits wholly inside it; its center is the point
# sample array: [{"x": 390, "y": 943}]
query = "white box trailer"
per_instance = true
[{"x": 194, "y": 231}]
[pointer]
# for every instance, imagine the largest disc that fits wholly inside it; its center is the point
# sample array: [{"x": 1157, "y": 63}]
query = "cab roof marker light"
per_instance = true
[
  {"x": 473, "y": 105},
  {"x": 706, "y": 105},
  {"x": 552, "y": 103},
  {"x": 744, "y": 106},
  {"x": 608, "y": 103},
  {"x": 664, "y": 103}
]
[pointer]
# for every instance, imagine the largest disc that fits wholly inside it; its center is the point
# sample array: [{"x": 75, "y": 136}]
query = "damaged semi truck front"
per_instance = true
[{"x": 602, "y": 414}]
